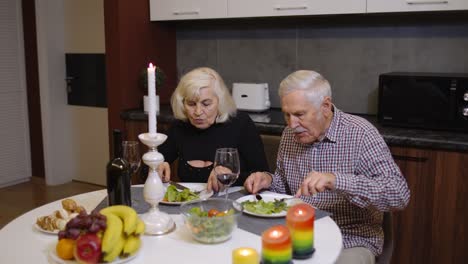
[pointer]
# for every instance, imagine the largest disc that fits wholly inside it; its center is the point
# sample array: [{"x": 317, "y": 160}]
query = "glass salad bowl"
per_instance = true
[{"x": 212, "y": 220}]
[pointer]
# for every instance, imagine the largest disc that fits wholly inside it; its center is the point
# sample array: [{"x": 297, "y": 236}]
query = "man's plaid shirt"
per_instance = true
[{"x": 368, "y": 181}]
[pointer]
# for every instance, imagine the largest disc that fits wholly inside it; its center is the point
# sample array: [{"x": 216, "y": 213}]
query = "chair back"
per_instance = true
[{"x": 386, "y": 256}]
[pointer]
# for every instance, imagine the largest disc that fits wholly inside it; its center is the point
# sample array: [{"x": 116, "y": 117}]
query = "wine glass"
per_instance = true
[
  {"x": 131, "y": 153},
  {"x": 227, "y": 166}
]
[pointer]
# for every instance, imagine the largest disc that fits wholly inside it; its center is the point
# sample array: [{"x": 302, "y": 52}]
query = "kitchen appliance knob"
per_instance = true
[
  {"x": 465, "y": 97},
  {"x": 465, "y": 111}
]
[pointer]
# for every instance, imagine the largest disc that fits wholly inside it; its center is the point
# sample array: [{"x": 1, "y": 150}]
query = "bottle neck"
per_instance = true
[{"x": 117, "y": 135}]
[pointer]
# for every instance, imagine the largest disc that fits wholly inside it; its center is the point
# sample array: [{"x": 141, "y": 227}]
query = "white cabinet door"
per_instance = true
[
  {"x": 377, "y": 6},
  {"x": 187, "y": 9},
  {"x": 262, "y": 8}
]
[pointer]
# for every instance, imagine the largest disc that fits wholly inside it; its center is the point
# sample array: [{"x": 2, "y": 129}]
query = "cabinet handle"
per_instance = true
[
  {"x": 427, "y": 2},
  {"x": 408, "y": 158},
  {"x": 283, "y": 8},
  {"x": 69, "y": 81},
  {"x": 182, "y": 13}
]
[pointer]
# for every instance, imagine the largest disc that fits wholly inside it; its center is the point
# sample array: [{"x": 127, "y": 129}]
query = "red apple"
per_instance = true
[{"x": 88, "y": 249}]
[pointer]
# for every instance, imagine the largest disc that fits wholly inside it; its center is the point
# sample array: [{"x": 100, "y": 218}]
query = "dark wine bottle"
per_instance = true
[{"x": 118, "y": 174}]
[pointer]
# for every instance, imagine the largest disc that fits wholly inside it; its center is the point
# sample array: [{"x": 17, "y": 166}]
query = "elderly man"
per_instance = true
[{"x": 336, "y": 162}]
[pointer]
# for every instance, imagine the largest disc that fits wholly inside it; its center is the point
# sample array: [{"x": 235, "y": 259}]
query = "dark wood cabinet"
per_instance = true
[{"x": 433, "y": 228}]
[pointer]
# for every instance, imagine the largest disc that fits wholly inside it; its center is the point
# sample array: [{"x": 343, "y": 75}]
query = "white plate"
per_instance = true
[
  {"x": 269, "y": 197},
  {"x": 56, "y": 259},
  {"x": 194, "y": 187},
  {"x": 55, "y": 232}
]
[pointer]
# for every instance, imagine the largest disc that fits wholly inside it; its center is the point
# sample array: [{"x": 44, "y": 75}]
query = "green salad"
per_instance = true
[
  {"x": 266, "y": 208},
  {"x": 211, "y": 229},
  {"x": 174, "y": 195}
]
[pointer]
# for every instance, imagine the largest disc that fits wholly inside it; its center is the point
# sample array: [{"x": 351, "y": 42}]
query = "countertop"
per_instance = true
[{"x": 272, "y": 122}]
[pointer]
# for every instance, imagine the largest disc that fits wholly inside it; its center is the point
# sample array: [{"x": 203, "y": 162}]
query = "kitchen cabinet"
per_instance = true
[
  {"x": 187, "y": 9},
  {"x": 262, "y": 8},
  {"x": 382, "y": 6},
  {"x": 433, "y": 228}
]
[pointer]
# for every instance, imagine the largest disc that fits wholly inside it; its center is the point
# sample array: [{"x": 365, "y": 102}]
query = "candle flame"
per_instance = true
[
  {"x": 245, "y": 252},
  {"x": 151, "y": 65},
  {"x": 276, "y": 233}
]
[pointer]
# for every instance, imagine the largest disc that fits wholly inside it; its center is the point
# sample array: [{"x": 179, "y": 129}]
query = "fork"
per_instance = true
[
  {"x": 182, "y": 187},
  {"x": 259, "y": 197}
]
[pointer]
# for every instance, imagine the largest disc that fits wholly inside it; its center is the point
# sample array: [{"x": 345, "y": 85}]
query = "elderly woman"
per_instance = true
[{"x": 207, "y": 119}]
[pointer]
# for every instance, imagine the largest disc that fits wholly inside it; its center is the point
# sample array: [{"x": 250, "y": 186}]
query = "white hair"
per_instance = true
[
  {"x": 313, "y": 83},
  {"x": 189, "y": 88}
]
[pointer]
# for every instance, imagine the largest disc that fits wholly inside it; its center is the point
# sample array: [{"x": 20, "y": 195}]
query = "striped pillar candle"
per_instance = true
[
  {"x": 276, "y": 245},
  {"x": 300, "y": 221}
]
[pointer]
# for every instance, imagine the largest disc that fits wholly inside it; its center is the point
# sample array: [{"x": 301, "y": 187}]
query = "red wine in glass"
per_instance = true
[
  {"x": 227, "y": 178},
  {"x": 226, "y": 166}
]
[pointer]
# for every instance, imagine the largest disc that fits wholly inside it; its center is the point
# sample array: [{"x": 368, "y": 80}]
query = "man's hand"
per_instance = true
[
  {"x": 164, "y": 171},
  {"x": 316, "y": 182},
  {"x": 257, "y": 181}
]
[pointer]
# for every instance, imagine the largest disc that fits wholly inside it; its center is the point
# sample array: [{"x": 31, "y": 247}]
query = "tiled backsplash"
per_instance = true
[{"x": 350, "y": 55}]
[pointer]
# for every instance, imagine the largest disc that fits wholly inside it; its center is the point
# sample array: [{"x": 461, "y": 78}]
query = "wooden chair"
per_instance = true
[{"x": 386, "y": 256}]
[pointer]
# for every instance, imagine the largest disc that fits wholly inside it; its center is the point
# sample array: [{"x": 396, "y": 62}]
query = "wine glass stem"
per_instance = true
[{"x": 226, "y": 190}]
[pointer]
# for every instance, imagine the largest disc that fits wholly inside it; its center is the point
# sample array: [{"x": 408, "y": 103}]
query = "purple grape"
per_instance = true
[
  {"x": 102, "y": 224},
  {"x": 74, "y": 233},
  {"x": 83, "y": 214},
  {"x": 94, "y": 228},
  {"x": 62, "y": 234},
  {"x": 73, "y": 223},
  {"x": 95, "y": 213},
  {"x": 87, "y": 222}
]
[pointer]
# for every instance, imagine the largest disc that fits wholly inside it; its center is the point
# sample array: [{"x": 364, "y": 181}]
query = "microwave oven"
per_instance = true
[{"x": 424, "y": 100}]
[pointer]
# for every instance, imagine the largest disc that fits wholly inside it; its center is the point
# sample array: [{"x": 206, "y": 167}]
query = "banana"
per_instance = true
[
  {"x": 132, "y": 244},
  {"x": 116, "y": 249},
  {"x": 112, "y": 233},
  {"x": 127, "y": 214},
  {"x": 140, "y": 229}
]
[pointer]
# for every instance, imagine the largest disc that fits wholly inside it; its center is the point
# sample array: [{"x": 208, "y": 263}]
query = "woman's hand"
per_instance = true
[
  {"x": 164, "y": 171},
  {"x": 213, "y": 183}
]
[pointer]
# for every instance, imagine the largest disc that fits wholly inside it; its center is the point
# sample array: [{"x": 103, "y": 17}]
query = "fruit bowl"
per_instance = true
[{"x": 212, "y": 220}]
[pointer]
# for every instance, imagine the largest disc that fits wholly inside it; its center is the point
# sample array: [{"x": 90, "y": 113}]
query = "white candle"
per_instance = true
[{"x": 152, "y": 99}]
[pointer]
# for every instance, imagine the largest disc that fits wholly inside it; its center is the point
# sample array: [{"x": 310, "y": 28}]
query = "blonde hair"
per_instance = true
[
  {"x": 189, "y": 88},
  {"x": 313, "y": 83}
]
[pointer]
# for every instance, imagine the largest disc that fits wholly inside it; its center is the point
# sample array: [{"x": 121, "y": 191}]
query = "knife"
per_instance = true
[{"x": 178, "y": 185}]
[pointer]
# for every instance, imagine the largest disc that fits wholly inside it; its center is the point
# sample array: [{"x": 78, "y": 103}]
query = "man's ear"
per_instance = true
[{"x": 327, "y": 106}]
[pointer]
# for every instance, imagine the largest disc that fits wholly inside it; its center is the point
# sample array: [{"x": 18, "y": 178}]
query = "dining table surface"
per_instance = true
[{"x": 22, "y": 242}]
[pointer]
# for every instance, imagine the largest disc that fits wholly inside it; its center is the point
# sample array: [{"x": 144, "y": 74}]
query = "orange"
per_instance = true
[{"x": 65, "y": 248}]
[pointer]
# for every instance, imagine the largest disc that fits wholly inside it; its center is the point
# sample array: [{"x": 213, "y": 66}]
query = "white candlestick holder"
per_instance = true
[{"x": 157, "y": 222}]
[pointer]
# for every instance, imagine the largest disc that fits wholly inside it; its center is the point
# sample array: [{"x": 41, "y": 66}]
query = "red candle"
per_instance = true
[
  {"x": 300, "y": 221},
  {"x": 276, "y": 245}
]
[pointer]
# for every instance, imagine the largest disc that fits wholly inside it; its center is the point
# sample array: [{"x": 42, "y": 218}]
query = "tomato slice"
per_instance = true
[{"x": 212, "y": 212}]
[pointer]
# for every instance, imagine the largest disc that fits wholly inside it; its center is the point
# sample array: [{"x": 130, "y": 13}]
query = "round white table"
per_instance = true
[{"x": 21, "y": 242}]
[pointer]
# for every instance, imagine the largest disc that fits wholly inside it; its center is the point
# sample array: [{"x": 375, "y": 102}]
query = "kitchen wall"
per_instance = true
[
  {"x": 350, "y": 51},
  {"x": 15, "y": 159},
  {"x": 75, "y": 138},
  {"x": 84, "y": 33}
]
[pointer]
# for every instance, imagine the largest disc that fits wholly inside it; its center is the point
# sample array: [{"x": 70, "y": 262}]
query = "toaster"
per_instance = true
[{"x": 251, "y": 96}]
